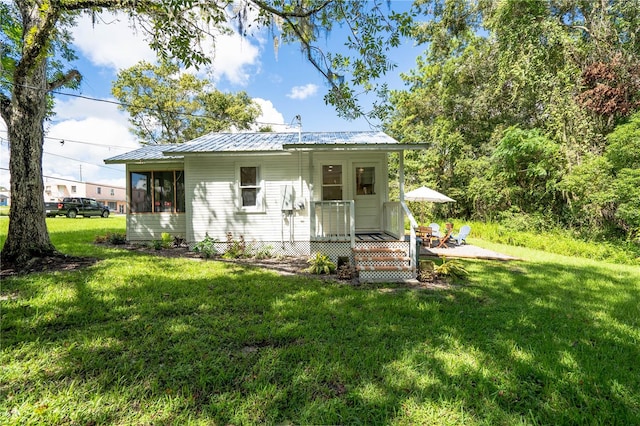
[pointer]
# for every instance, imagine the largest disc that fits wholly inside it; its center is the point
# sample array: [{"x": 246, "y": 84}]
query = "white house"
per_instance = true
[{"x": 296, "y": 193}]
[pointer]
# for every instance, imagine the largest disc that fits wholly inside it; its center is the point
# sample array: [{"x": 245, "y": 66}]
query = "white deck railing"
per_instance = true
[
  {"x": 414, "y": 254},
  {"x": 333, "y": 221},
  {"x": 392, "y": 219}
]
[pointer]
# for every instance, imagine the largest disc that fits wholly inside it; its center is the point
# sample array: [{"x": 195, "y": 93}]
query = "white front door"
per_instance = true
[{"x": 366, "y": 194}]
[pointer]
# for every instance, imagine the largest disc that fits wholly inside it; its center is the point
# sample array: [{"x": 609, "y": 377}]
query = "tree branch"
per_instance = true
[
  {"x": 63, "y": 80},
  {"x": 36, "y": 41},
  {"x": 294, "y": 14}
]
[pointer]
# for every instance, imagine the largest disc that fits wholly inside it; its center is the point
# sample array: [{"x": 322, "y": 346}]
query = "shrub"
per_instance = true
[
  {"x": 206, "y": 247},
  {"x": 166, "y": 239},
  {"x": 117, "y": 238},
  {"x": 235, "y": 249},
  {"x": 111, "y": 238},
  {"x": 426, "y": 271},
  {"x": 346, "y": 271},
  {"x": 179, "y": 241},
  {"x": 453, "y": 269},
  {"x": 264, "y": 252},
  {"x": 157, "y": 244},
  {"x": 321, "y": 264}
]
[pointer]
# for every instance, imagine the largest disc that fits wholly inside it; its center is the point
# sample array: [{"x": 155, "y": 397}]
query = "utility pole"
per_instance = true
[{"x": 80, "y": 172}]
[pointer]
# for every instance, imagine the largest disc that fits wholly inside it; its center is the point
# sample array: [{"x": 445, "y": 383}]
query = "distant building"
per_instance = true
[{"x": 115, "y": 197}]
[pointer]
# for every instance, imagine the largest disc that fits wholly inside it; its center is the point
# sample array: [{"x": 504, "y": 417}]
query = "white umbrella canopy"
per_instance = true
[{"x": 427, "y": 194}]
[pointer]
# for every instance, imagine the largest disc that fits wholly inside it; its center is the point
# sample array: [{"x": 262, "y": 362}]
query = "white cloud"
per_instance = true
[
  {"x": 271, "y": 117},
  {"x": 87, "y": 142},
  {"x": 235, "y": 59},
  {"x": 111, "y": 41},
  {"x": 303, "y": 92}
]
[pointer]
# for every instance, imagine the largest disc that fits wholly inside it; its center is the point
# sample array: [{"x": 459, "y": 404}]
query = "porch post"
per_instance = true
[
  {"x": 312, "y": 205},
  {"x": 401, "y": 174}
]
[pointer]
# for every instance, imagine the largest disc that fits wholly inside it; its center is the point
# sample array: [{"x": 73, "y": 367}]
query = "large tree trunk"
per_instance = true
[{"x": 28, "y": 236}]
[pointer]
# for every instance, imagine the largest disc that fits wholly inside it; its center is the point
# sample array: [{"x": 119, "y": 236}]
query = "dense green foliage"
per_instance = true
[
  {"x": 530, "y": 108},
  {"x": 143, "y": 339}
]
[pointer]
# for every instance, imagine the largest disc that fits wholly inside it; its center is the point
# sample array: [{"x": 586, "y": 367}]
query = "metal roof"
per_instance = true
[
  {"x": 269, "y": 141},
  {"x": 146, "y": 153},
  {"x": 265, "y": 142}
]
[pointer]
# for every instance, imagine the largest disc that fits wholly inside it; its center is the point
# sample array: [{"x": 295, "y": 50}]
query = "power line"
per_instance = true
[
  {"x": 73, "y": 159},
  {"x": 108, "y": 101},
  {"x": 81, "y": 142}
]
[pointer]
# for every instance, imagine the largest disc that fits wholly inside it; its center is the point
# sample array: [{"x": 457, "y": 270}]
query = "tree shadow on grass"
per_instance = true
[{"x": 231, "y": 344}]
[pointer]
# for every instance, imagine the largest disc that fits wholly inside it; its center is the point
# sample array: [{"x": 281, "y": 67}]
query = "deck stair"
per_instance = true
[{"x": 382, "y": 262}]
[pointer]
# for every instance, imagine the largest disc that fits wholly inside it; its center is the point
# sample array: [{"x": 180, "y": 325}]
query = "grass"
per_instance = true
[{"x": 138, "y": 339}]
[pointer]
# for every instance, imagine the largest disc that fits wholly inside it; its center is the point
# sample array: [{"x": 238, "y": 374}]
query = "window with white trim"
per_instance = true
[
  {"x": 331, "y": 182},
  {"x": 250, "y": 189}
]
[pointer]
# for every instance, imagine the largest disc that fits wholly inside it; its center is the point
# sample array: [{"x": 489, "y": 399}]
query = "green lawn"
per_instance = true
[{"x": 138, "y": 339}]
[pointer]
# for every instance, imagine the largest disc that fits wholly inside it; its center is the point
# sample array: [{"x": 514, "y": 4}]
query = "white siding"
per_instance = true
[
  {"x": 212, "y": 198},
  {"x": 150, "y": 226}
]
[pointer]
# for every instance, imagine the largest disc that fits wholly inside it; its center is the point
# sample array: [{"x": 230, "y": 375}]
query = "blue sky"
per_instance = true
[{"x": 284, "y": 84}]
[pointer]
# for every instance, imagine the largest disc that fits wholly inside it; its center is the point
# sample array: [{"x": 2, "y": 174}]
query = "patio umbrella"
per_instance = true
[{"x": 427, "y": 194}]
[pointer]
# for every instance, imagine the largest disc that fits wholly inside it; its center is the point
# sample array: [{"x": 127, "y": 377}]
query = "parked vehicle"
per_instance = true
[
  {"x": 80, "y": 206},
  {"x": 51, "y": 209}
]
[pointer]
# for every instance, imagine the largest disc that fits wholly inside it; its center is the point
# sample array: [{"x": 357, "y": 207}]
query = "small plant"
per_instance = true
[
  {"x": 264, "y": 252},
  {"x": 114, "y": 238},
  {"x": 346, "y": 271},
  {"x": 235, "y": 249},
  {"x": 452, "y": 269},
  {"x": 157, "y": 244},
  {"x": 179, "y": 241},
  {"x": 117, "y": 238},
  {"x": 321, "y": 264},
  {"x": 166, "y": 239},
  {"x": 206, "y": 247},
  {"x": 426, "y": 271}
]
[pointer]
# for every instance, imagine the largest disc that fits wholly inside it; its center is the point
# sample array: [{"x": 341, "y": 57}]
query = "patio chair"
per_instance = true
[
  {"x": 425, "y": 234},
  {"x": 435, "y": 230},
  {"x": 462, "y": 235}
]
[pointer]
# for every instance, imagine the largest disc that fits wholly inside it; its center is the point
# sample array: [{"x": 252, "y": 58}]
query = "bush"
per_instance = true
[
  {"x": 426, "y": 271},
  {"x": 453, "y": 269},
  {"x": 346, "y": 271},
  {"x": 111, "y": 238},
  {"x": 235, "y": 249},
  {"x": 166, "y": 239},
  {"x": 206, "y": 247},
  {"x": 264, "y": 252},
  {"x": 321, "y": 264}
]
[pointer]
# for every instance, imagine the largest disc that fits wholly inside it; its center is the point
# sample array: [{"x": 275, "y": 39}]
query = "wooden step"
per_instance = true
[
  {"x": 384, "y": 268},
  {"x": 378, "y": 250},
  {"x": 382, "y": 258}
]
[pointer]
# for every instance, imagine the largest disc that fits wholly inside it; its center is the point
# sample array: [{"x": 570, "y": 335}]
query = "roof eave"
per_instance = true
[
  {"x": 387, "y": 147},
  {"x": 146, "y": 160}
]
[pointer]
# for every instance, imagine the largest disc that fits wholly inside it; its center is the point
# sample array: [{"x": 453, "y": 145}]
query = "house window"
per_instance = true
[
  {"x": 365, "y": 180},
  {"x": 250, "y": 188},
  {"x": 99, "y": 190},
  {"x": 113, "y": 192},
  {"x": 331, "y": 182},
  {"x": 161, "y": 191},
  {"x": 73, "y": 189}
]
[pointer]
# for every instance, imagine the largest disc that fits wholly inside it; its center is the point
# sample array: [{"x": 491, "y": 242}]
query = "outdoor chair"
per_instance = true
[
  {"x": 425, "y": 233},
  {"x": 435, "y": 229},
  {"x": 462, "y": 235}
]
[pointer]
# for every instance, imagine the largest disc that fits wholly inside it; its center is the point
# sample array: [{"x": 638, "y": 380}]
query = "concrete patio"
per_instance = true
[{"x": 464, "y": 251}]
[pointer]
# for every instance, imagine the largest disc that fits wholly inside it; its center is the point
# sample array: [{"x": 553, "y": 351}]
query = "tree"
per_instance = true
[
  {"x": 32, "y": 69},
  {"x": 166, "y": 106},
  {"x": 527, "y": 91}
]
